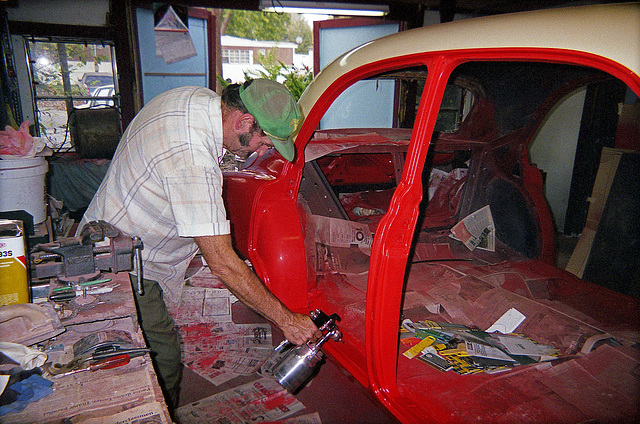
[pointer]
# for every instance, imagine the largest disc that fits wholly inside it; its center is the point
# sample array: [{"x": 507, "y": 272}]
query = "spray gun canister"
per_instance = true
[{"x": 292, "y": 365}]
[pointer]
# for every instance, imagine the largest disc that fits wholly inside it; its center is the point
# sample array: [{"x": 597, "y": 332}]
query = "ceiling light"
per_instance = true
[{"x": 323, "y": 8}]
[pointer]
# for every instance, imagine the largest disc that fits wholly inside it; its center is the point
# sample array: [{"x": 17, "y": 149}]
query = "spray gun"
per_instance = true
[{"x": 293, "y": 365}]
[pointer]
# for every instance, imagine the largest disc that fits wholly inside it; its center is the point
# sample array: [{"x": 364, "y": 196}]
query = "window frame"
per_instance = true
[
  {"x": 237, "y": 56},
  {"x": 72, "y": 101}
]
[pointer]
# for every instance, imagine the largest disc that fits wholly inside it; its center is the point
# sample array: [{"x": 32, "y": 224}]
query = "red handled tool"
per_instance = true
[{"x": 113, "y": 362}]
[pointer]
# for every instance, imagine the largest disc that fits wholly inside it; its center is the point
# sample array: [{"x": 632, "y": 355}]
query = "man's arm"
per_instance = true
[{"x": 246, "y": 286}]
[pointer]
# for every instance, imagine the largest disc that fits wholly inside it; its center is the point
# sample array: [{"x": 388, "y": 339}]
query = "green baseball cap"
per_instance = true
[{"x": 276, "y": 111}]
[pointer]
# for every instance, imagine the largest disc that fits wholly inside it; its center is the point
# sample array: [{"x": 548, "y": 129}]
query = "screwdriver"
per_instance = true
[{"x": 113, "y": 362}]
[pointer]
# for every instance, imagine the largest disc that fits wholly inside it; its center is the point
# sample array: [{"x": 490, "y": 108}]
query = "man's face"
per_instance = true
[{"x": 253, "y": 141}]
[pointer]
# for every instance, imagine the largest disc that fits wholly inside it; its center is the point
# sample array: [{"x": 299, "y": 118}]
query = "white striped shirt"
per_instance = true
[{"x": 164, "y": 184}]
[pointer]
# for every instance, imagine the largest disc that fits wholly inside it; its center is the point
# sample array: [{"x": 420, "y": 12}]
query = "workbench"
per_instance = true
[{"x": 126, "y": 393}]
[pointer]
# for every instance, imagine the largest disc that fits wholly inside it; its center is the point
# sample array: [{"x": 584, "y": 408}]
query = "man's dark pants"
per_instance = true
[{"x": 161, "y": 336}]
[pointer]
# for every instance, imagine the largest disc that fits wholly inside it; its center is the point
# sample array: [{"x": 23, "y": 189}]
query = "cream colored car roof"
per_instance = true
[{"x": 610, "y": 31}]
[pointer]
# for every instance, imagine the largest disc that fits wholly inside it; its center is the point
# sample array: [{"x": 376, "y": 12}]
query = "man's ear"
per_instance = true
[{"x": 244, "y": 123}]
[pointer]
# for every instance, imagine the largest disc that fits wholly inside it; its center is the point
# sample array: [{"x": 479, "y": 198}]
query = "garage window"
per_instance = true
[{"x": 68, "y": 75}]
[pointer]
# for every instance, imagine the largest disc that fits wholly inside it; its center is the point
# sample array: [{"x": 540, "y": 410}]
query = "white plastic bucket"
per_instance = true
[{"x": 22, "y": 186}]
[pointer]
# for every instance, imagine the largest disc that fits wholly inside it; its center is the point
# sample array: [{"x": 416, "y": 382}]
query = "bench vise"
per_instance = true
[{"x": 99, "y": 247}]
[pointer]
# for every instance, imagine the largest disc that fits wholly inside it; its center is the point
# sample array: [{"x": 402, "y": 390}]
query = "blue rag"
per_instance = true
[{"x": 29, "y": 390}]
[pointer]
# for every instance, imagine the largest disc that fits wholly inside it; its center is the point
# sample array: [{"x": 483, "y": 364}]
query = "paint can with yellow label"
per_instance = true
[{"x": 14, "y": 283}]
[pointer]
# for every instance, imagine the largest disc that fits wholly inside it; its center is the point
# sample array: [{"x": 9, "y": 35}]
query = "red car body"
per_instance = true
[{"x": 514, "y": 71}]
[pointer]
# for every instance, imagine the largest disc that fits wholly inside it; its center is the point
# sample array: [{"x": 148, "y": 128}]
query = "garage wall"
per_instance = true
[
  {"x": 159, "y": 76},
  {"x": 69, "y": 12}
]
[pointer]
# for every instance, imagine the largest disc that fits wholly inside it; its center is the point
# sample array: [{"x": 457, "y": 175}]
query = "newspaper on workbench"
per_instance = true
[
  {"x": 93, "y": 397},
  {"x": 261, "y": 400},
  {"x": 141, "y": 414}
]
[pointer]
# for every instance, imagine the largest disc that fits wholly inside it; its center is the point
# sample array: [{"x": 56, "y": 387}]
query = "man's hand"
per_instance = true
[
  {"x": 245, "y": 285},
  {"x": 299, "y": 329}
]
